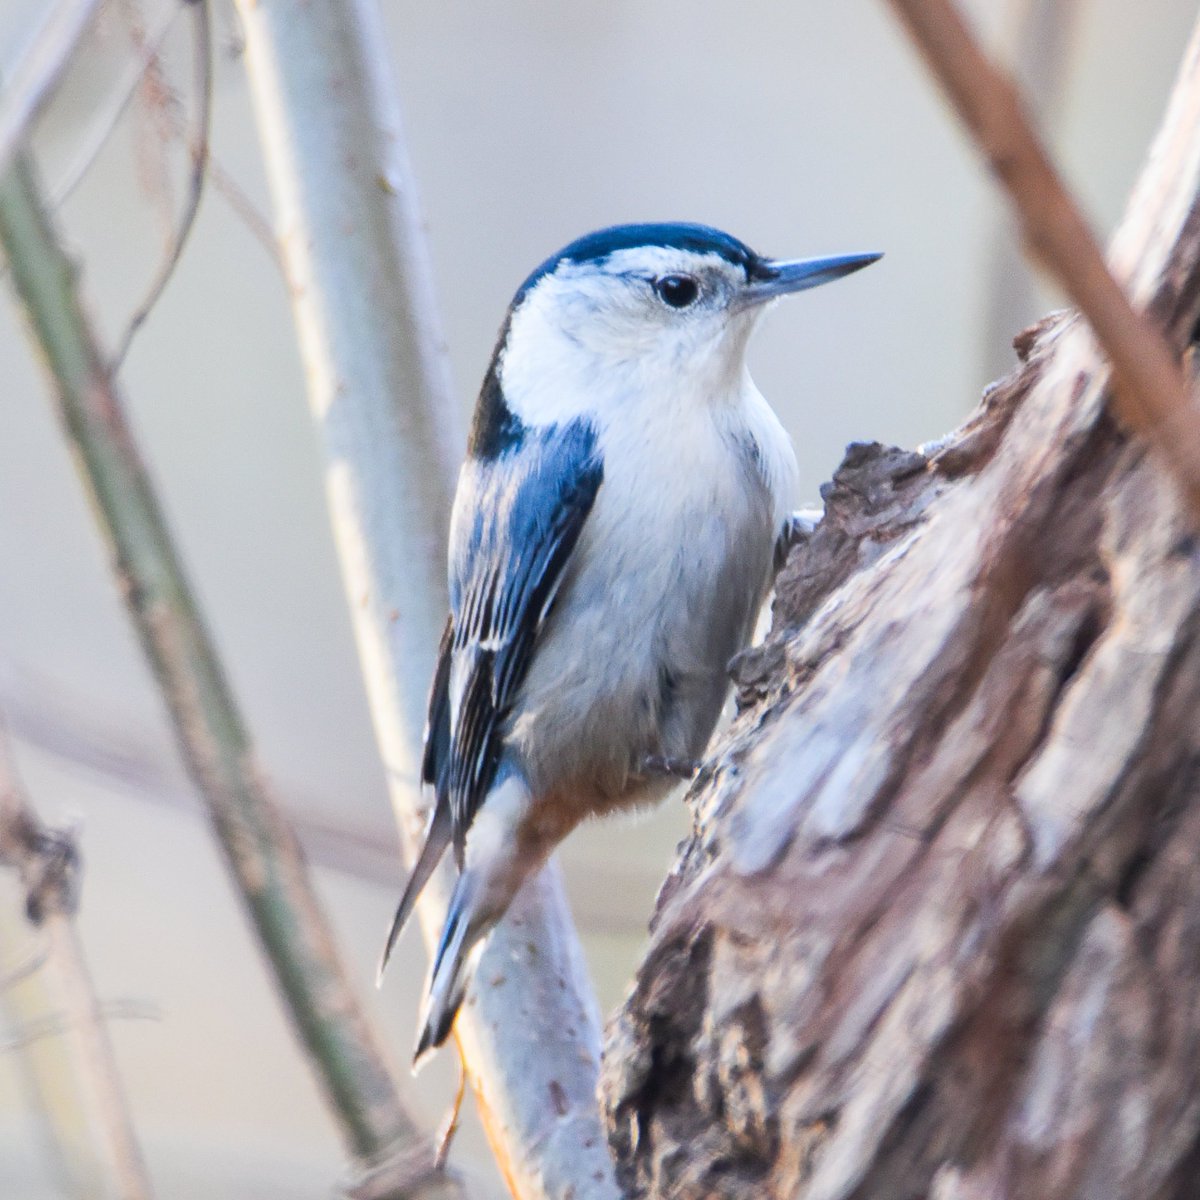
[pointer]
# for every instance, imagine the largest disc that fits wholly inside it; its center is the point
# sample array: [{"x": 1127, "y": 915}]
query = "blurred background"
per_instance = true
[{"x": 804, "y": 129}]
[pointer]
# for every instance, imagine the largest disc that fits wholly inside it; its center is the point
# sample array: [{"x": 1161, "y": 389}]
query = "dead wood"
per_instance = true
[{"x": 936, "y": 931}]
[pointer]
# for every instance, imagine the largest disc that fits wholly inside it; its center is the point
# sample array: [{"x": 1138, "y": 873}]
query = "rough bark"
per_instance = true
[{"x": 936, "y": 932}]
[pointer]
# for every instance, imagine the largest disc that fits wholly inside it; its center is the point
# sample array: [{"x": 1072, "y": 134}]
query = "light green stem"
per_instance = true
[{"x": 259, "y": 845}]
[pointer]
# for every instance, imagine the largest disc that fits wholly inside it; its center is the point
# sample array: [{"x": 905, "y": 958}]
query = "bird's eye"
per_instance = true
[{"x": 677, "y": 291}]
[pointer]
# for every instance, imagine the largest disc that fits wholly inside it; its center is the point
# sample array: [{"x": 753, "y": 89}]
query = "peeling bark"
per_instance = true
[{"x": 936, "y": 932}]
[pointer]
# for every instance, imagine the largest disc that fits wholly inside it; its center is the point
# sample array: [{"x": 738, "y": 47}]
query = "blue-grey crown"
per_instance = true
[{"x": 675, "y": 235}]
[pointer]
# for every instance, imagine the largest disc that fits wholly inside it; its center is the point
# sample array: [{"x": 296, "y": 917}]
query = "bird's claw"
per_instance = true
[
  {"x": 801, "y": 524},
  {"x": 799, "y": 527}
]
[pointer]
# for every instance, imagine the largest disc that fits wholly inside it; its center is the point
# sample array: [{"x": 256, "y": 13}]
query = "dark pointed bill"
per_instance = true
[{"x": 773, "y": 278}]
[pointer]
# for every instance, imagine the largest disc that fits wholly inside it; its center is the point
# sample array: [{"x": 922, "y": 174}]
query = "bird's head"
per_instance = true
[{"x": 642, "y": 309}]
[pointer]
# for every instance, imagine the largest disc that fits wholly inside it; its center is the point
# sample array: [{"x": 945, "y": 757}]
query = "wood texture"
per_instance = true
[{"x": 937, "y": 929}]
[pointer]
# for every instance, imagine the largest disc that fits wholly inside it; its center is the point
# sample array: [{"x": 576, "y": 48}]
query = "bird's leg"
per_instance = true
[{"x": 660, "y": 764}]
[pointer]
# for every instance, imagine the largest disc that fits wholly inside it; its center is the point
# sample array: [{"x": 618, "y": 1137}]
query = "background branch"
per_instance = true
[
  {"x": 259, "y": 846},
  {"x": 147, "y": 48},
  {"x": 1041, "y": 40},
  {"x": 364, "y": 308},
  {"x": 197, "y": 145},
  {"x": 1151, "y": 393},
  {"x": 48, "y": 864},
  {"x": 132, "y": 757},
  {"x": 38, "y": 71}
]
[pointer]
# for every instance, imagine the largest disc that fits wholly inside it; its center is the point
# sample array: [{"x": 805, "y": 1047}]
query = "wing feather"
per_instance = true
[
  {"x": 437, "y": 726},
  {"x": 517, "y": 520}
]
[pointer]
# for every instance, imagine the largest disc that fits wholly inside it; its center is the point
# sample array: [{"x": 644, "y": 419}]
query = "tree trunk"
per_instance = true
[{"x": 937, "y": 929}]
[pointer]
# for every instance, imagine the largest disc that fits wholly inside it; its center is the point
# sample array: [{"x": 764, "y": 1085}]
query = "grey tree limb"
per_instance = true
[
  {"x": 259, "y": 845},
  {"x": 936, "y": 931},
  {"x": 378, "y": 387}
]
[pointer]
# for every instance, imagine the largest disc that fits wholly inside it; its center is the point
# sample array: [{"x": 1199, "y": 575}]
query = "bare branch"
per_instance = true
[
  {"x": 56, "y": 1024},
  {"x": 30, "y": 965},
  {"x": 259, "y": 845},
  {"x": 244, "y": 207},
  {"x": 365, "y": 310},
  {"x": 198, "y": 149},
  {"x": 48, "y": 862},
  {"x": 1151, "y": 393},
  {"x": 36, "y": 74},
  {"x": 1040, "y": 41},
  {"x": 148, "y": 50}
]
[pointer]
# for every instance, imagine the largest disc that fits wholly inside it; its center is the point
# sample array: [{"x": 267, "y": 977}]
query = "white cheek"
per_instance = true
[
  {"x": 574, "y": 356},
  {"x": 575, "y": 349}
]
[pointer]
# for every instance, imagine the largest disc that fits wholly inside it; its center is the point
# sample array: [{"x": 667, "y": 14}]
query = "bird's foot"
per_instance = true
[
  {"x": 798, "y": 528},
  {"x": 802, "y": 524}
]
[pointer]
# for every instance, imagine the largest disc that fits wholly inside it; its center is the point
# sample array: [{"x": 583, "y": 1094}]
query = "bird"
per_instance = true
[{"x": 623, "y": 507}]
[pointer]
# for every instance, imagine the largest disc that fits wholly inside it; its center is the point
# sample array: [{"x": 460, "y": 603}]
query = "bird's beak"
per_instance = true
[{"x": 772, "y": 279}]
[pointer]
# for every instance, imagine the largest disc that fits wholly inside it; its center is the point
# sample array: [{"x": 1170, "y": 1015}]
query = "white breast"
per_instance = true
[
  {"x": 674, "y": 559},
  {"x": 664, "y": 587}
]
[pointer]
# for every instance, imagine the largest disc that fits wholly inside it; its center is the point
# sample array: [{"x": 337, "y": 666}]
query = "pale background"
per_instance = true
[{"x": 805, "y": 129}]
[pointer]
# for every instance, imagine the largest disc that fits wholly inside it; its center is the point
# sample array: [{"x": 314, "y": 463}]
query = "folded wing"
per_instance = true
[{"x": 516, "y": 523}]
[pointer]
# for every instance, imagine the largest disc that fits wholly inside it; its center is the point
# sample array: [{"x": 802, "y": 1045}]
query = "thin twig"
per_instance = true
[
  {"x": 55, "y": 1024},
  {"x": 198, "y": 150},
  {"x": 148, "y": 50},
  {"x": 33, "y": 962},
  {"x": 1040, "y": 39},
  {"x": 363, "y": 302},
  {"x": 48, "y": 863},
  {"x": 259, "y": 845},
  {"x": 161, "y": 108},
  {"x": 37, "y": 72},
  {"x": 1151, "y": 393},
  {"x": 244, "y": 207}
]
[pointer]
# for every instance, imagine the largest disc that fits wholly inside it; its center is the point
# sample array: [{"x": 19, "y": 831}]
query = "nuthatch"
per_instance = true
[{"x": 615, "y": 532}]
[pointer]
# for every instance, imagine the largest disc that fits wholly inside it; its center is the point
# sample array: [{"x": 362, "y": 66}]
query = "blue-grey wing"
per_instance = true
[
  {"x": 436, "y": 757},
  {"x": 517, "y": 519}
]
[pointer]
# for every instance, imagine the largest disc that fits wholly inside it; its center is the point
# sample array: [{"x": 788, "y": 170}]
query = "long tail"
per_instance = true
[
  {"x": 436, "y": 841},
  {"x": 453, "y": 965},
  {"x": 495, "y": 863}
]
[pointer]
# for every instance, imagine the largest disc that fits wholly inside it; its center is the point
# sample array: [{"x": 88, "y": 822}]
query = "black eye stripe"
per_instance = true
[{"x": 677, "y": 291}]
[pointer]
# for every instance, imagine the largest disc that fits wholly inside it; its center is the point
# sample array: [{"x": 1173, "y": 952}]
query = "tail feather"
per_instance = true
[
  {"x": 436, "y": 841},
  {"x": 497, "y": 860},
  {"x": 451, "y": 971}
]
